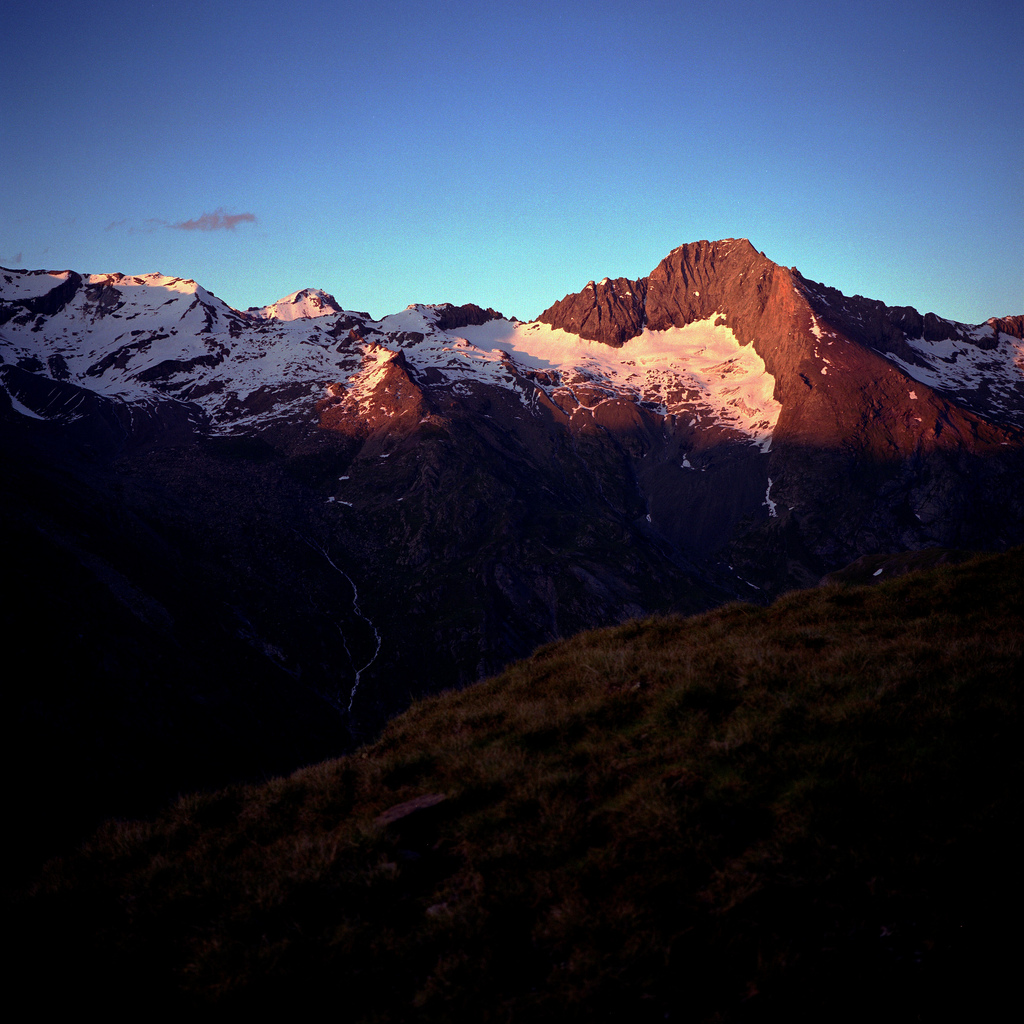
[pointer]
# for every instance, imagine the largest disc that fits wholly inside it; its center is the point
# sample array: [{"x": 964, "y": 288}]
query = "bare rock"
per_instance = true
[
  {"x": 451, "y": 318},
  {"x": 611, "y": 312}
]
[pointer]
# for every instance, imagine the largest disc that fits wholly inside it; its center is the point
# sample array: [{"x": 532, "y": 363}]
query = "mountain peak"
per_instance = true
[
  {"x": 307, "y": 303},
  {"x": 689, "y": 284}
]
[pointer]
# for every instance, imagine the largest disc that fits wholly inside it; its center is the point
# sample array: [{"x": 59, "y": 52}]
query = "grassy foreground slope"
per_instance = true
[{"x": 808, "y": 809}]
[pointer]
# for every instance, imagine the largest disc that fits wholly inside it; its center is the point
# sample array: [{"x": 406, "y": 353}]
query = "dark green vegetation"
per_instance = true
[{"x": 806, "y": 810}]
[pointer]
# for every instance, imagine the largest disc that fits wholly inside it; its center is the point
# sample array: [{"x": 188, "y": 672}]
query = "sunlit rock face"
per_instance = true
[
  {"x": 611, "y": 312},
  {"x": 256, "y": 535}
]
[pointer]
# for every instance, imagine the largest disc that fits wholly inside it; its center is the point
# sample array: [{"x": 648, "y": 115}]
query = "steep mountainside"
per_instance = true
[
  {"x": 802, "y": 812},
  {"x": 246, "y": 539},
  {"x": 895, "y": 430}
]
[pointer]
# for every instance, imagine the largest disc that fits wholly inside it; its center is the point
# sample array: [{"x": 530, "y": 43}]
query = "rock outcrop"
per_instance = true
[
  {"x": 451, "y": 318},
  {"x": 611, "y": 312}
]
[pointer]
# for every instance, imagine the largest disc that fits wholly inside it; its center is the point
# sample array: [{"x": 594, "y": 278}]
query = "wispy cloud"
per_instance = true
[{"x": 216, "y": 221}]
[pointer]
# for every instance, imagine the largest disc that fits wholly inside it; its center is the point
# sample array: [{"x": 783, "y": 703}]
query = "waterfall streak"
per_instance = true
[{"x": 359, "y": 613}]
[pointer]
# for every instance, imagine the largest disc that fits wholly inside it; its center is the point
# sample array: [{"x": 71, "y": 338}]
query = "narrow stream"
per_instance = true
[{"x": 359, "y": 613}]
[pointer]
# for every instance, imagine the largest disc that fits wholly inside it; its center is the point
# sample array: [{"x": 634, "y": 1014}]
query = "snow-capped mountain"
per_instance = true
[
  {"x": 678, "y": 354},
  {"x": 143, "y": 339},
  {"x": 299, "y": 516},
  {"x": 304, "y": 304}
]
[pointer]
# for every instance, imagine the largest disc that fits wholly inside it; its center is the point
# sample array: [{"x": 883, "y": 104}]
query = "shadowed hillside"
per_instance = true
[{"x": 801, "y": 810}]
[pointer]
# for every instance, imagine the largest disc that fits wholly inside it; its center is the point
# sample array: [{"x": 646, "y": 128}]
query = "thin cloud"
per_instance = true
[{"x": 216, "y": 221}]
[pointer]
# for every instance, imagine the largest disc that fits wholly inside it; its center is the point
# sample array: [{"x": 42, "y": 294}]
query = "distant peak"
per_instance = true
[
  {"x": 448, "y": 317},
  {"x": 307, "y": 303}
]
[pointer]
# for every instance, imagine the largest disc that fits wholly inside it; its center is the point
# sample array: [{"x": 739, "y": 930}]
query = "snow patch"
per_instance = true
[
  {"x": 985, "y": 380},
  {"x": 20, "y": 406},
  {"x": 700, "y": 369},
  {"x": 17, "y": 285}
]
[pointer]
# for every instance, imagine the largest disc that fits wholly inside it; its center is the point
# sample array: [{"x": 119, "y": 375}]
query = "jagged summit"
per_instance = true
[
  {"x": 689, "y": 284},
  {"x": 795, "y": 325},
  {"x": 693, "y": 282}
]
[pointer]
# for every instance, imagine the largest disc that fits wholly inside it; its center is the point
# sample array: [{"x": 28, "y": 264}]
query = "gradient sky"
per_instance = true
[{"x": 506, "y": 153}]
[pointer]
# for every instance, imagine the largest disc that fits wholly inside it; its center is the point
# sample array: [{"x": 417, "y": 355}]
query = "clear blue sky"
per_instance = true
[{"x": 506, "y": 153}]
